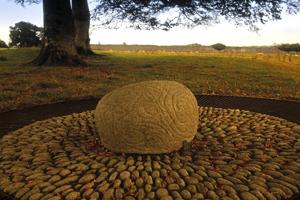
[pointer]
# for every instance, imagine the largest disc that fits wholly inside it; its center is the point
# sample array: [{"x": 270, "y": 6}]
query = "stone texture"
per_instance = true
[{"x": 149, "y": 117}]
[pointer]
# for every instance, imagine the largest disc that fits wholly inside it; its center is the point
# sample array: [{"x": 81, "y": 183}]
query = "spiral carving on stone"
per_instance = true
[{"x": 147, "y": 117}]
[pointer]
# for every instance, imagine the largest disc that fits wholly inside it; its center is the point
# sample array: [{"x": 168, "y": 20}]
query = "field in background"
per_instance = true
[
  {"x": 185, "y": 48},
  {"x": 270, "y": 54},
  {"x": 270, "y": 75}
]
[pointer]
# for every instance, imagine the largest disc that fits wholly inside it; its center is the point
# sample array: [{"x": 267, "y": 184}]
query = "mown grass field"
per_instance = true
[{"x": 242, "y": 74}]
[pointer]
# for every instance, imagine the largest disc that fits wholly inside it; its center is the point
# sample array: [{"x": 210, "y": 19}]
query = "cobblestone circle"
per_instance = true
[{"x": 235, "y": 154}]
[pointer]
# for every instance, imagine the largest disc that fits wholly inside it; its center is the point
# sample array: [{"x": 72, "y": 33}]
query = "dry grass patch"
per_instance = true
[{"x": 23, "y": 86}]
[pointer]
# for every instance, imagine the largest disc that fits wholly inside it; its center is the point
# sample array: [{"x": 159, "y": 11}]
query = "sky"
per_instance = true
[{"x": 286, "y": 30}]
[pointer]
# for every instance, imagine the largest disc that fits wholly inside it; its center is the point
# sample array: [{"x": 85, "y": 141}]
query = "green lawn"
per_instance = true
[{"x": 22, "y": 85}]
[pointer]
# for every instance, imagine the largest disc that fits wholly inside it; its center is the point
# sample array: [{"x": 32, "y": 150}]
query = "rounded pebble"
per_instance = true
[{"x": 240, "y": 155}]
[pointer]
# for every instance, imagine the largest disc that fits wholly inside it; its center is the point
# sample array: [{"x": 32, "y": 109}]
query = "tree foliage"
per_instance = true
[
  {"x": 218, "y": 46},
  {"x": 25, "y": 34},
  {"x": 150, "y": 13},
  {"x": 23, "y": 2},
  {"x": 3, "y": 44},
  {"x": 289, "y": 47},
  {"x": 165, "y": 14}
]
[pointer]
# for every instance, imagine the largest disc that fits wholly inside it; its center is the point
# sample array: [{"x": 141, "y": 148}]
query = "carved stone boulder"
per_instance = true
[{"x": 149, "y": 117}]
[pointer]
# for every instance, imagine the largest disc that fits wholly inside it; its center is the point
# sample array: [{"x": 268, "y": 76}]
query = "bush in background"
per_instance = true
[
  {"x": 218, "y": 46},
  {"x": 25, "y": 34},
  {"x": 3, "y": 44},
  {"x": 289, "y": 47}
]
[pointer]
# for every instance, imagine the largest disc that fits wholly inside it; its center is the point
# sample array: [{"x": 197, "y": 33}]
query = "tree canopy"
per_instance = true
[
  {"x": 150, "y": 13},
  {"x": 25, "y": 34}
]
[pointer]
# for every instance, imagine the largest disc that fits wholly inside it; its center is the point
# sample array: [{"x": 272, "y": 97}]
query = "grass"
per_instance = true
[{"x": 243, "y": 74}]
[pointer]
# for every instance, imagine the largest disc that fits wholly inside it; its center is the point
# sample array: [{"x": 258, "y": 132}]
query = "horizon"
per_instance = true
[
  {"x": 196, "y": 44},
  {"x": 272, "y": 33}
]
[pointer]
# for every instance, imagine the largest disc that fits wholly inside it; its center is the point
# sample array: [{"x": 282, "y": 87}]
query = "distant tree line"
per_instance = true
[
  {"x": 25, "y": 34},
  {"x": 289, "y": 47}
]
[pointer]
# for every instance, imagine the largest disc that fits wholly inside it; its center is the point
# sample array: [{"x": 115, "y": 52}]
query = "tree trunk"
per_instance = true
[
  {"x": 59, "y": 35},
  {"x": 81, "y": 15}
]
